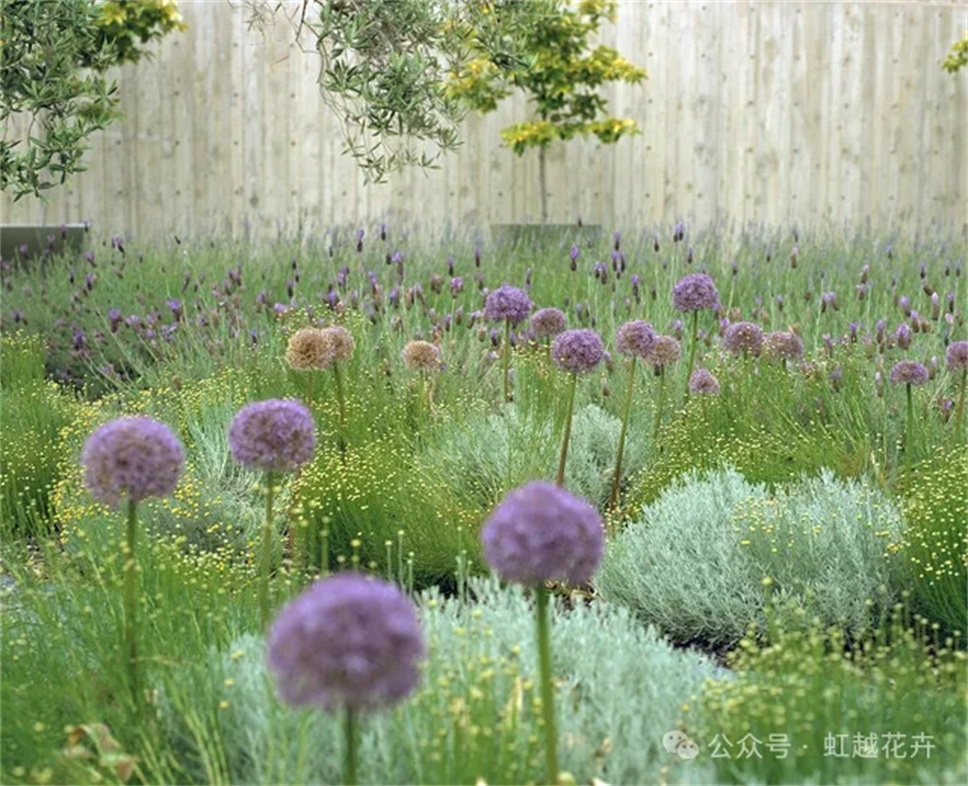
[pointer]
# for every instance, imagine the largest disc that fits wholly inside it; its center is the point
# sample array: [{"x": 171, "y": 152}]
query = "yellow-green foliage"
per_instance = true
[
  {"x": 128, "y": 24},
  {"x": 958, "y": 56},
  {"x": 561, "y": 77},
  {"x": 936, "y": 545},
  {"x": 804, "y": 690}
]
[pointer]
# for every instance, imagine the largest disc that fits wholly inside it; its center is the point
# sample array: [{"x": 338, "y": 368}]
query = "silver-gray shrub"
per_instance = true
[
  {"x": 695, "y": 561},
  {"x": 485, "y": 455},
  {"x": 616, "y": 681}
]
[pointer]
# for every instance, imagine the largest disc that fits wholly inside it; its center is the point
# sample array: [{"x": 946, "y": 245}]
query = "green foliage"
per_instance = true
[
  {"x": 935, "y": 546},
  {"x": 32, "y": 412},
  {"x": 695, "y": 563},
  {"x": 483, "y": 456},
  {"x": 804, "y": 689},
  {"x": 54, "y": 90},
  {"x": 562, "y": 78},
  {"x": 957, "y": 58}
]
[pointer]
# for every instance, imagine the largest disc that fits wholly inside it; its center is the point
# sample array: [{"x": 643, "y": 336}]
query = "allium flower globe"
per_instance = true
[
  {"x": 743, "y": 338},
  {"x": 695, "y": 292},
  {"x": 421, "y": 356},
  {"x": 635, "y": 338},
  {"x": 347, "y": 641},
  {"x": 547, "y": 322},
  {"x": 956, "y": 355},
  {"x": 341, "y": 343},
  {"x": 131, "y": 458},
  {"x": 578, "y": 351},
  {"x": 783, "y": 345},
  {"x": 540, "y": 533},
  {"x": 277, "y": 435},
  {"x": 908, "y": 372},
  {"x": 308, "y": 349},
  {"x": 703, "y": 382},
  {"x": 666, "y": 351},
  {"x": 507, "y": 303}
]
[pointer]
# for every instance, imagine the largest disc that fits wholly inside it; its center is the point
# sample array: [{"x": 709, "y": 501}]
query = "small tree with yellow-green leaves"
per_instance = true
[{"x": 560, "y": 74}]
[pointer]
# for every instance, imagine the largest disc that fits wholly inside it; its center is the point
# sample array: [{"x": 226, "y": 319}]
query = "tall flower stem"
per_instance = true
[
  {"x": 265, "y": 565},
  {"x": 340, "y": 399},
  {"x": 564, "y": 445},
  {"x": 909, "y": 433},
  {"x": 131, "y": 602},
  {"x": 659, "y": 404},
  {"x": 506, "y": 358},
  {"x": 547, "y": 689},
  {"x": 692, "y": 349},
  {"x": 613, "y": 497},
  {"x": 309, "y": 391},
  {"x": 349, "y": 752},
  {"x": 960, "y": 413}
]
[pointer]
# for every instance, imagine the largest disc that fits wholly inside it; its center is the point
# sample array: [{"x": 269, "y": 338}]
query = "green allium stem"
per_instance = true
[
  {"x": 909, "y": 433},
  {"x": 309, "y": 392},
  {"x": 341, "y": 400},
  {"x": 265, "y": 566},
  {"x": 960, "y": 413},
  {"x": 349, "y": 760},
  {"x": 564, "y": 444},
  {"x": 547, "y": 688},
  {"x": 659, "y": 404},
  {"x": 692, "y": 349},
  {"x": 613, "y": 497},
  {"x": 506, "y": 359},
  {"x": 131, "y": 602}
]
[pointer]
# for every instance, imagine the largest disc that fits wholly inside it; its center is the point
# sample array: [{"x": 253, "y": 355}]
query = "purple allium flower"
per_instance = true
[
  {"x": 703, "y": 381},
  {"x": 908, "y": 372},
  {"x": 956, "y": 355},
  {"x": 547, "y": 322},
  {"x": 347, "y": 641},
  {"x": 131, "y": 458},
  {"x": 903, "y": 336},
  {"x": 507, "y": 303},
  {"x": 276, "y": 435},
  {"x": 743, "y": 338},
  {"x": 695, "y": 292},
  {"x": 635, "y": 338},
  {"x": 783, "y": 345},
  {"x": 577, "y": 351},
  {"x": 541, "y": 532},
  {"x": 666, "y": 351}
]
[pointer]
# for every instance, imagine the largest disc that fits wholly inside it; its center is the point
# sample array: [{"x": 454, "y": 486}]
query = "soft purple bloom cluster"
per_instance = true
[
  {"x": 507, "y": 303},
  {"x": 578, "y": 351},
  {"x": 347, "y": 641},
  {"x": 635, "y": 338},
  {"x": 541, "y": 532},
  {"x": 909, "y": 372},
  {"x": 742, "y": 338},
  {"x": 695, "y": 292},
  {"x": 547, "y": 322},
  {"x": 666, "y": 351},
  {"x": 956, "y": 355},
  {"x": 783, "y": 345},
  {"x": 703, "y": 382},
  {"x": 277, "y": 435},
  {"x": 132, "y": 458}
]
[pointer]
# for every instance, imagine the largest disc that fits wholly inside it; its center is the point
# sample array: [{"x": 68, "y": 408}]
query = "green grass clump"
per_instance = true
[
  {"x": 813, "y": 706},
  {"x": 935, "y": 546},
  {"x": 694, "y": 563}
]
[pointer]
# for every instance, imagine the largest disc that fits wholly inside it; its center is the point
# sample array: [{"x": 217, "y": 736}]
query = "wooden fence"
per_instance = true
[{"x": 778, "y": 113}]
